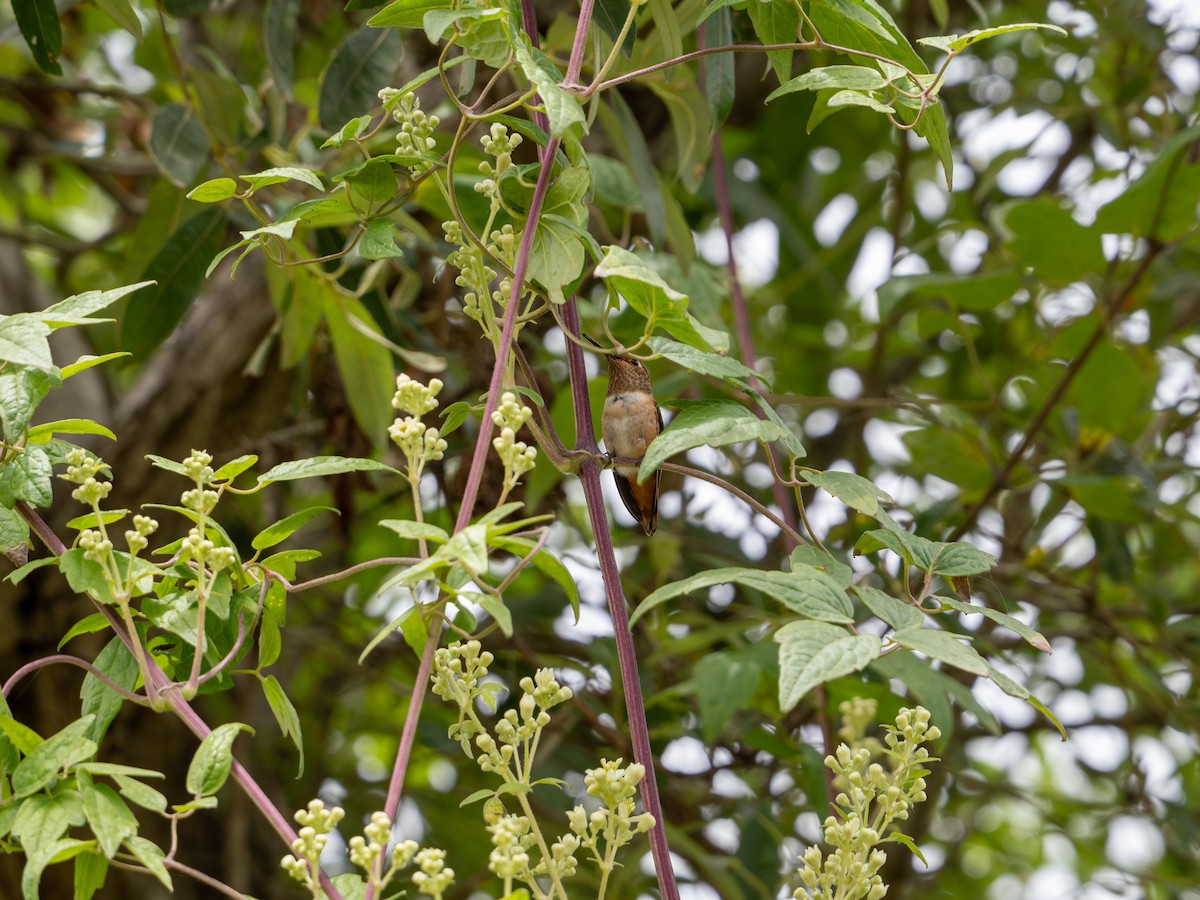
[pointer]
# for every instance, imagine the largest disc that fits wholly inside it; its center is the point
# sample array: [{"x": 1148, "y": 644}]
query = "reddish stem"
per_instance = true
[{"x": 639, "y": 732}]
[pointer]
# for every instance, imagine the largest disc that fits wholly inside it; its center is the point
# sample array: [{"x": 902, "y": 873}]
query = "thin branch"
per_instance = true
[{"x": 74, "y": 661}]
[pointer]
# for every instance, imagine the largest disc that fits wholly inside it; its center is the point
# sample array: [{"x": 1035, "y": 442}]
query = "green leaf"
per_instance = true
[
  {"x": 545, "y": 562},
  {"x": 562, "y": 109},
  {"x": 99, "y": 700},
  {"x": 777, "y": 23},
  {"x": 364, "y": 364},
  {"x": 213, "y": 191},
  {"x": 23, "y": 341},
  {"x": 234, "y": 467},
  {"x": 69, "y": 426},
  {"x": 351, "y": 82},
  {"x": 719, "y": 83},
  {"x": 470, "y": 547},
  {"x": 279, "y": 38},
  {"x": 416, "y": 530},
  {"x": 1112, "y": 389},
  {"x": 91, "y": 869},
  {"x": 27, "y": 476},
  {"x": 78, "y": 309},
  {"x": 972, "y": 293},
  {"x": 895, "y": 612},
  {"x": 453, "y": 417},
  {"x": 856, "y": 492},
  {"x": 179, "y": 268},
  {"x": 285, "y": 714},
  {"x": 352, "y": 130},
  {"x": 951, "y": 455},
  {"x": 108, "y": 816},
  {"x": 805, "y": 590},
  {"x": 1032, "y": 637},
  {"x": 140, "y": 794},
  {"x": 373, "y": 181},
  {"x": 319, "y": 467},
  {"x": 178, "y": 143},
  {"x": 42, "y": 855},
  {"x": 44, "y": 818},
  {"x": 931, "y": 689},
  {"x": 21, "y": 391},
  {"x": 47, "y": 759},
  {"x": 1047, "y": 238},
  {"x": 213, "y": 760},
  {"x": 703, "y": 362},
  {"x": 723, "y": 684},
  {"x": 858, "y": 78},
  {"x": 650, "y": 296},
  {"x": 379, "y": 240},
  {"x": 494, "y": 607},
  {"x": 38, "y": 21},
  {"x": 151, "y": 856},
  {"x": 955, "y": 42},
  {"x": 23, "y": 738},
  {"x": 610, "y": 15},
  {"x": 87, "y": 362},
  {"x": 944, "y": 646},
  {"x": 712, "y": 423},
  {"x": 811, "y": 653},
  {"x": 268, "y": 177},
  {"x": 406, "y": 13},
  {"x": 286, "y": 527},
  {"x": 556, "y": 256},
  {"x": 87, "y": 625}
]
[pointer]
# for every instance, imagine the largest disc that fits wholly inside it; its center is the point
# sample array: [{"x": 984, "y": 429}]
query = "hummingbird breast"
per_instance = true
[{"x": 629, "y": 423}]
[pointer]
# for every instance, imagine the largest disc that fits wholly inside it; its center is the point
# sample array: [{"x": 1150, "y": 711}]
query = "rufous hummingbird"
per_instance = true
[{"x": 630, "y": 421}]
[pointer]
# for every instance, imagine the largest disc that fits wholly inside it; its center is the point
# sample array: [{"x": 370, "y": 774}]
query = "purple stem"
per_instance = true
[
  {"x": 529, "y": 20},
  {"x": 190, "y": 717},
  {"x": 74, "y": 661},
  {"x": 639, "y": 732},
  {"x": 482, "y": 444}
]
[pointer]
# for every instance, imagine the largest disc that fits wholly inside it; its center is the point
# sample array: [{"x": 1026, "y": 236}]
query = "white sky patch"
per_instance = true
[
  {"x": 755, "y": 248},
  {"x": 832, "y": 221}
]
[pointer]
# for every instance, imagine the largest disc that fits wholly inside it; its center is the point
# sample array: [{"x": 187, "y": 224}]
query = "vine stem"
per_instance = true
[
  {"x": 474, "y": 477},
  {"x": 157, "y": 678},
  {"x": 639, "y": 732}
]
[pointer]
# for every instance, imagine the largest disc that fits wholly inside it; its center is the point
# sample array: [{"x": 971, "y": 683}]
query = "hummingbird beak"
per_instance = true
[{"x": 591, "y": 340}]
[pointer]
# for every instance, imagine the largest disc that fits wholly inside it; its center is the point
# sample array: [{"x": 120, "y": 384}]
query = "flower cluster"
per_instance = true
[
  {"x": 419, "y": 443},
  {"x": 614, "y": 823},
  {"x": 82, "y": 470},
  {"x": 499, "y": 145},
  {"x": 517, "y": 456},
  {"x": 316, "y": 822},
  {"x": 872, "y": 797},
  {"x": 415, "y": 137}
]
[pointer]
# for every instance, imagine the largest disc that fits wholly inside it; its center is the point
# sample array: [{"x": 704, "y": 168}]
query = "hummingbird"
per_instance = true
[{"x": 630, "y": 421}]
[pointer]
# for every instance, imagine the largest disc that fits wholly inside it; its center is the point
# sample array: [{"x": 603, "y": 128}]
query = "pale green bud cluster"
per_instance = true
[
  {"x": 517, "y": 456},
  {"x": 433, "y": 877},
  {"x": 366, "y": 850},
  {"x": 474, "y": 274},
  {"x": 316, "y": 822},
  {"x": 137, "y": 538},
  {"x": 197, "y": 468},
  {"x": 415, "y": 137},
  {"x": 498, "y": 144},
  {"x": 199, "y": 548},
  {"x": 872, "y": 797},
  {"x": 614, "y": 824},
  {"x": 82, "y": 470},
  {"x": 420, "y": 443}
]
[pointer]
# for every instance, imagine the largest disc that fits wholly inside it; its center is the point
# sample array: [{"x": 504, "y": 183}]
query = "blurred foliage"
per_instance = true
[{"x": 1014, "y": 362}]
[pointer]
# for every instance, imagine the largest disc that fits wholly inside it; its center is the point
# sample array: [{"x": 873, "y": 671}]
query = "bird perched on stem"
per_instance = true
[{"x": 630, "y": 421}]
